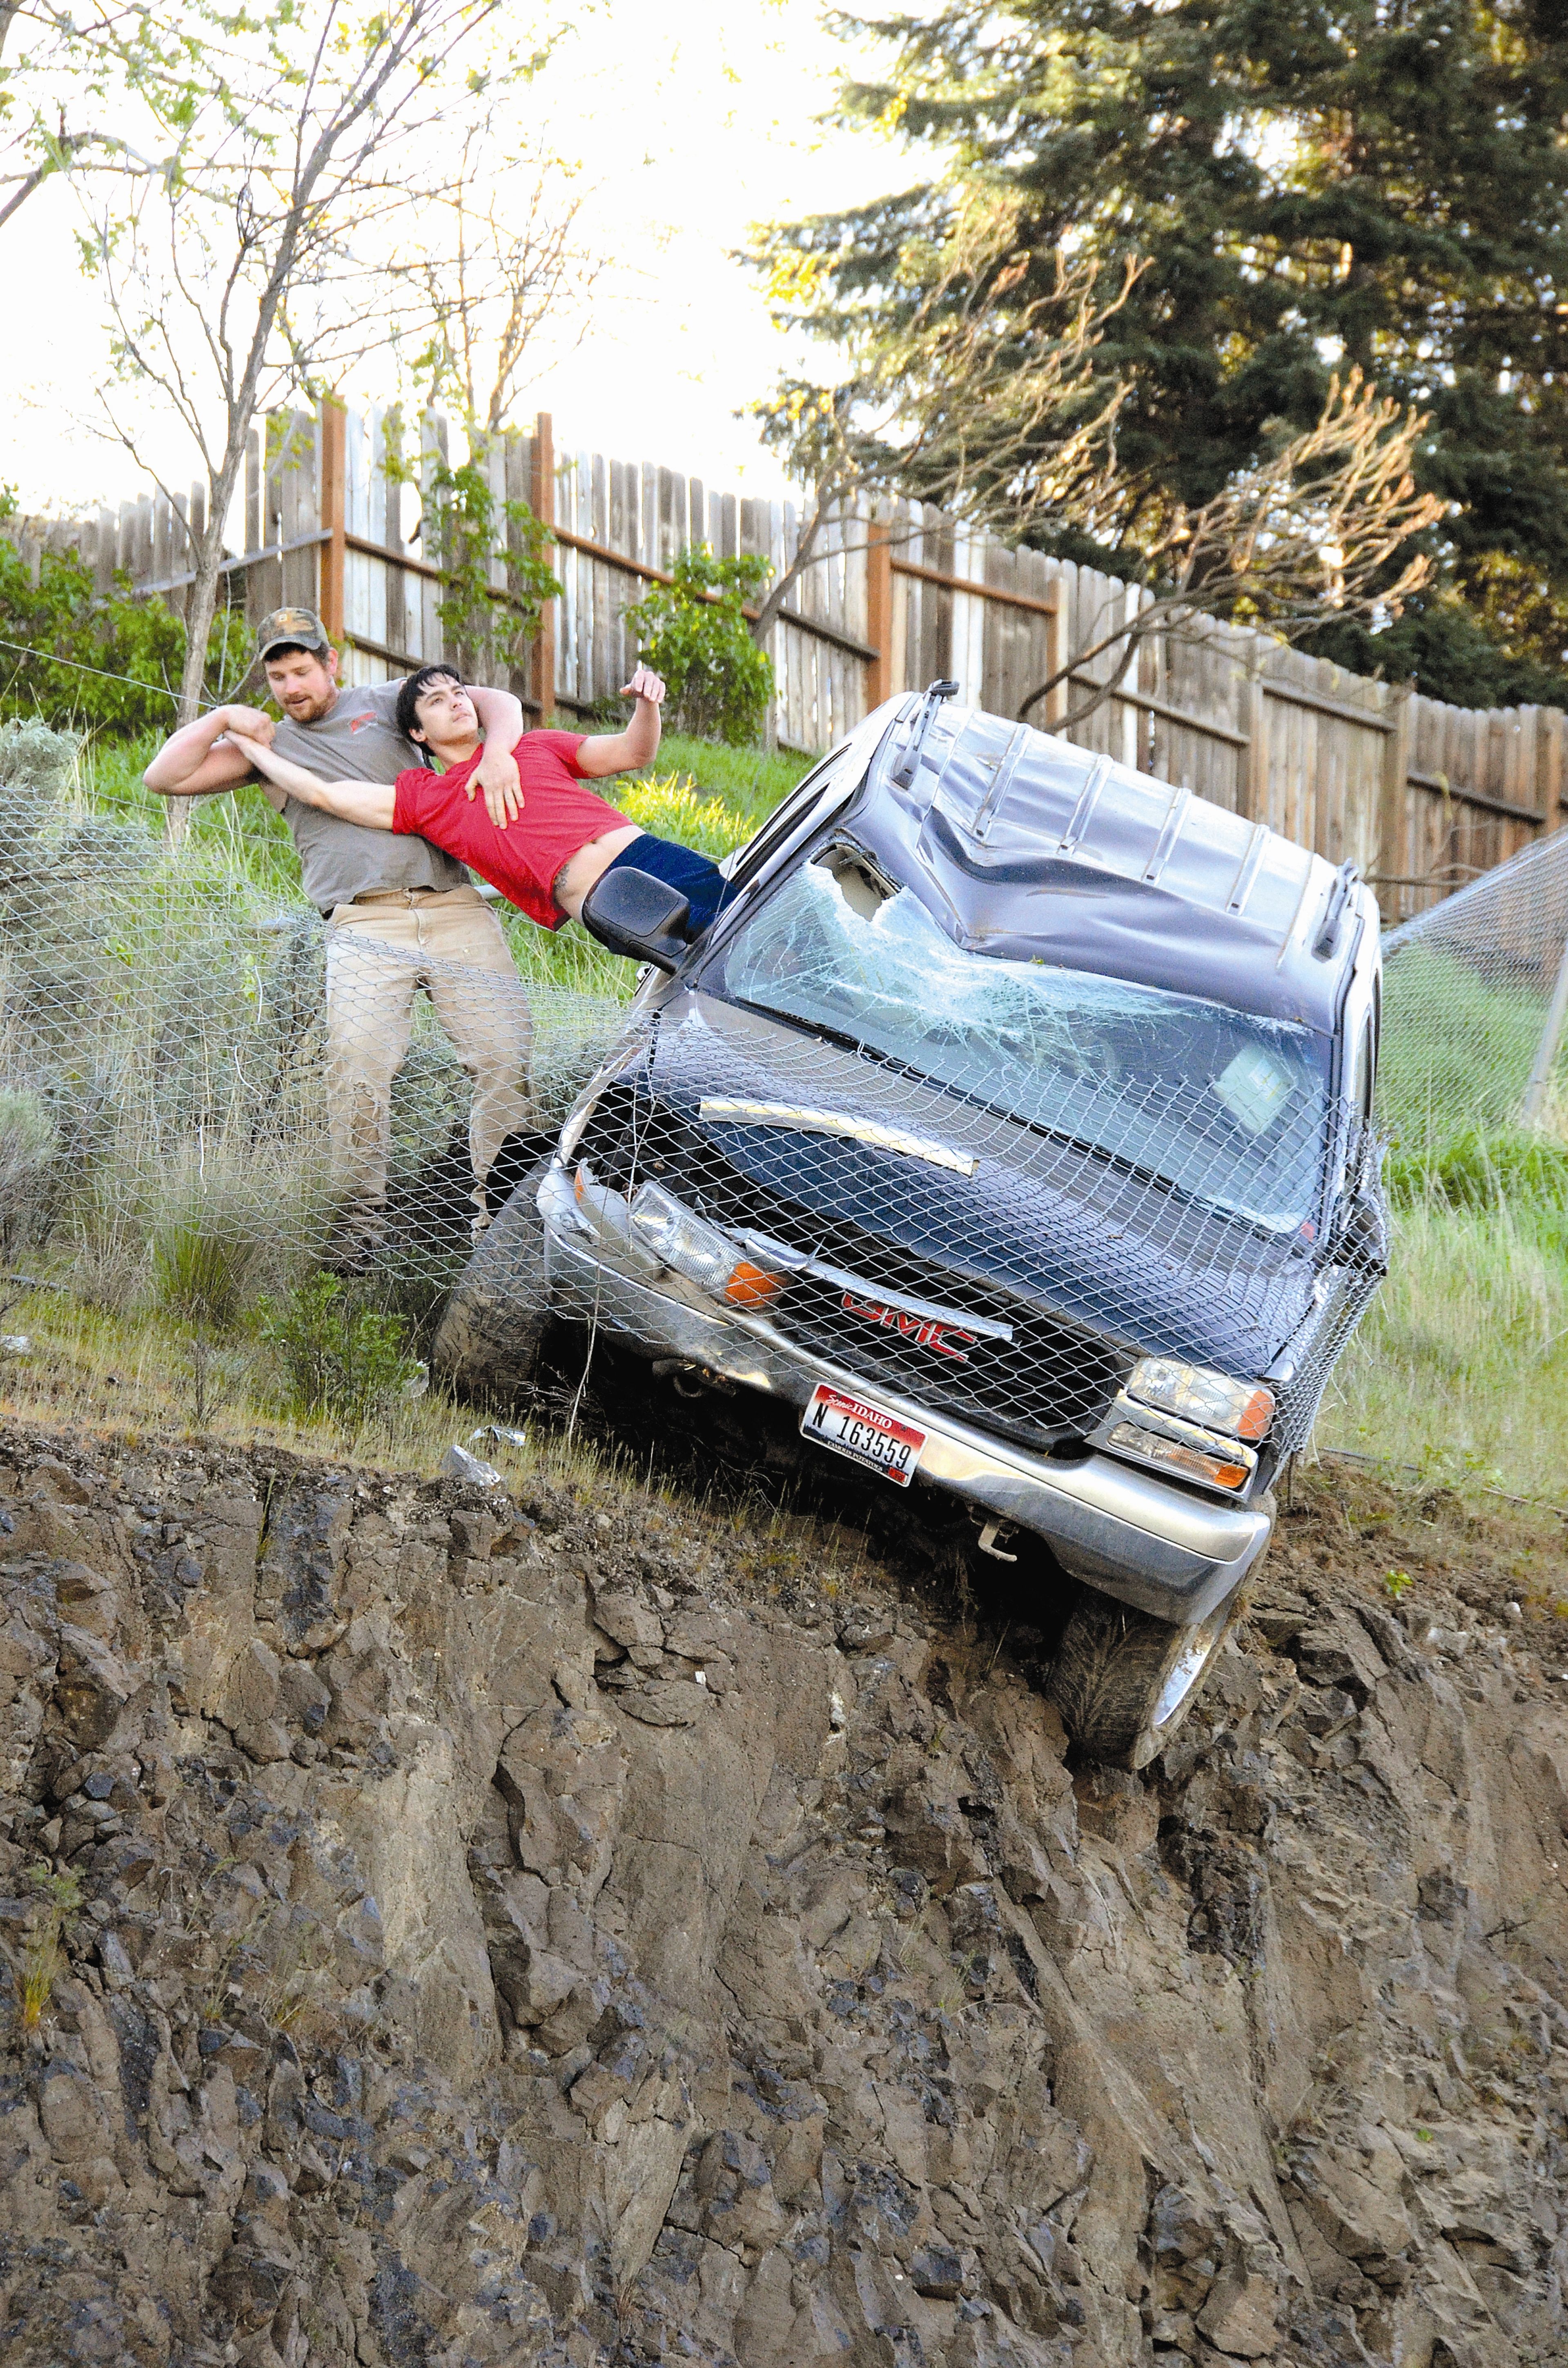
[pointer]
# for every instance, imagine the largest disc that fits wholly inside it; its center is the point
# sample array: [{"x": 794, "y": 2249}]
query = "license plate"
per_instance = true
[{"x": 867, "y": 1434}]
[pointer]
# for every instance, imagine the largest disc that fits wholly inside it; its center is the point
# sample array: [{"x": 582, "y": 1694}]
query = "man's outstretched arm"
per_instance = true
[
  {"x": 371, "y": 803},
  {"x": 622, "y": 752},
  {"x": 189, "y": 764}
]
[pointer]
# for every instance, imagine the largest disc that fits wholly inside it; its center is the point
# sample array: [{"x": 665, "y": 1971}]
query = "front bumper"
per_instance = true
[{"x": 1160, "y": 1548}]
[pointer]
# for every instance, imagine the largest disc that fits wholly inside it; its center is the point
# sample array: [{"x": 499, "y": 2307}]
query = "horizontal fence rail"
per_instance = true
[{"x": 1421, "y": 795}]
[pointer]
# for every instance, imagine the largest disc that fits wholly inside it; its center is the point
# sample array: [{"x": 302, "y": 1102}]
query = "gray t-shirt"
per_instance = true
[{"x": 357, "y": 740}]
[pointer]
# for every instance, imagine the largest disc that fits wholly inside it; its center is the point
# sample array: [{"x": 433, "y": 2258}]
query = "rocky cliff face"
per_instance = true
[{"x": 507, "y": 1933}]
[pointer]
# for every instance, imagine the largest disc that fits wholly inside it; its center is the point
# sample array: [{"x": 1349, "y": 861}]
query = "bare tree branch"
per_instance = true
[
  {"x": 247, "y": 270},
  {"x": 1330, "y": 524},
  {"x": 987, "y": 402}
]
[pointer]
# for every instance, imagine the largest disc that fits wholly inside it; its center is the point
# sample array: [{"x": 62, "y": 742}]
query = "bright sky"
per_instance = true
[{"x": 696, "y": 119}]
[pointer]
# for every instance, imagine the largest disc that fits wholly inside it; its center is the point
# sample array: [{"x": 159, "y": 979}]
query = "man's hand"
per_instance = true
[
  {"x": 622, "y": 752},
  {"x": 250, "y": 721},
  {"x": 496, "y": 774}
]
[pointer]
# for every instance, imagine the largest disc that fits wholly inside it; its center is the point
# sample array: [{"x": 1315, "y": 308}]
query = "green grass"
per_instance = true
[
  {"x": 239, "y": 830},
  {"x": 1461, "y": 1368},
  {"x": 1457, "y": 1048}
]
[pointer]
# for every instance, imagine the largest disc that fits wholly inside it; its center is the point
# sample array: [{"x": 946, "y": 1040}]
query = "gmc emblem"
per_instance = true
[{"x": 926, "y": 1331}]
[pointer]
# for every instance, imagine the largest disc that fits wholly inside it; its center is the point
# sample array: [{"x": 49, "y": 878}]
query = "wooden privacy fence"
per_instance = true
[{"x": 1421, "y": 795}]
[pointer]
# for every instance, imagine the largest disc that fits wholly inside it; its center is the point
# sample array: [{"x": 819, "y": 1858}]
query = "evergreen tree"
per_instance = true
[{"x": 1309, "y": 183}]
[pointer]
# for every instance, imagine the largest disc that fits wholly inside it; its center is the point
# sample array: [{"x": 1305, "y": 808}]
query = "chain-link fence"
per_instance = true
[
  {"x": 903, "y": 1224},
  {"x": 1475, "y": 998},
  {"x": 204, "y": 1093}
]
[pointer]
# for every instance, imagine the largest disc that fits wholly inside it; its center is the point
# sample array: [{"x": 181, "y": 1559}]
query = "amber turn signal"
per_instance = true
[{"x": 752, "y": 1286}]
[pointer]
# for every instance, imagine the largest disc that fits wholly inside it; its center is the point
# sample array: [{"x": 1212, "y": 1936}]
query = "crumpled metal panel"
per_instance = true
[{"x": 1022, "y": 844}]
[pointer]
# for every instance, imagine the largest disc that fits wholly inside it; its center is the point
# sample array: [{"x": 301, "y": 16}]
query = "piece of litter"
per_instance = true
[
  {"x": 458, "y": 1464},
  {"x": 417, "y": 1382},
  {"x": 702, "y": 1677},
  {"x": 502, "y": 1431},
  {"x": 16, "y": 1344}
]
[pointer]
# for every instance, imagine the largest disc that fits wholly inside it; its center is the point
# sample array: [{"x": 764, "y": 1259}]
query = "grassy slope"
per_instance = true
[{"x": 1462, "y": 1365}]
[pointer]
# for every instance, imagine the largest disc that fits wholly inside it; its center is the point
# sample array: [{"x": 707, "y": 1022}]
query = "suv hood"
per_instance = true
[{"x": 1012, "y": 1213}]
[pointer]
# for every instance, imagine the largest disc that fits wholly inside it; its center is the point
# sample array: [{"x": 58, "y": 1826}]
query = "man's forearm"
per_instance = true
[
  {"x": 500, "y": 715},
  {"x": 603, "y": 754},
  {"x": 182, "y": 753},
  {"x": 643, "y": 734},
  {"x": 371, "y": 804}
]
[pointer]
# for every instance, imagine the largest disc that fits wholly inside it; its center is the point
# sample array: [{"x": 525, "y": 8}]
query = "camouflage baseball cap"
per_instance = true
[{"x": 302, "y": 627}]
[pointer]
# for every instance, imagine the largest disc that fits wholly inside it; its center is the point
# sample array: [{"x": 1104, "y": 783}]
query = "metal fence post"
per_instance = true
[{"x": 1546, "y": 1051}]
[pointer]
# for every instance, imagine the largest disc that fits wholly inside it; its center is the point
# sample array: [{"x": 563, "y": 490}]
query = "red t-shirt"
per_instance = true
[{"x": 558, "y": 817}]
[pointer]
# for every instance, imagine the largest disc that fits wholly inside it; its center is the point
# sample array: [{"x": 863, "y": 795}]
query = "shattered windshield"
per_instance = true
[{"x": 1228, "y": 1106}]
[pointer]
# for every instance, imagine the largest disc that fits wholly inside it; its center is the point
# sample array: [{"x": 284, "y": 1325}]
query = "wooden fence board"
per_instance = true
[{"x": 1258, "y": 727}]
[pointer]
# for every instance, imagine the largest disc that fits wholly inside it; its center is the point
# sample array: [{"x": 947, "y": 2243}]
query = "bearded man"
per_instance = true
[{"x": 402, "y": 915}]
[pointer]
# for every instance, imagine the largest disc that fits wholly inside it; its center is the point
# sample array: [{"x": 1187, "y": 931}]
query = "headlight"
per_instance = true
[
  {"x": 681, "y": 1239},
  {"x": 1198, "y": 1462},
  {"x": 658, "y": 1225},
  {"x": 1242, "y": 1409}
]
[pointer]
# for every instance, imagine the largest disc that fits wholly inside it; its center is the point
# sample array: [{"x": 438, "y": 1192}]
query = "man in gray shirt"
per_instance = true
[{"x": 401, "y": 914}]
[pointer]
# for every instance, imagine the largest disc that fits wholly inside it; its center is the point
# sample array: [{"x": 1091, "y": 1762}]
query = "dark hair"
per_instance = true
[
  {"x": 294, "y": 650},
  {"x": 414, "y": 689}
]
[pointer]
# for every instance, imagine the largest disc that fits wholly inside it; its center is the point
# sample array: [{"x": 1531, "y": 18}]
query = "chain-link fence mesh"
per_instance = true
[
  {"x": 909, "y": 1229},
  {"x": 1474, "y": 999},
  {"x": 204, "y": 1093}
]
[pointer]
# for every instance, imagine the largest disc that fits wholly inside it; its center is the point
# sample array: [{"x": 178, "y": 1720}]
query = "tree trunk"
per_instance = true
[{"x": 201, "y": 601}]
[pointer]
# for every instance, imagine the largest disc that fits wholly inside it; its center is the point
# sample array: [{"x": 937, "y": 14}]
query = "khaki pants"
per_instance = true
[{"x": 377, "y": 955}]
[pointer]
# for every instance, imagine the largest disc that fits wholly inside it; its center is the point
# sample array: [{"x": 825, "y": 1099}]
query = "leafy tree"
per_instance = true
[
  {"x": 1310, "y": 184},
  {"x": 695, "y": 633},
  {"x": 62, "y": 99},
  {"x": 972, "y": 392},
  {"x": 247, "y": 269}
]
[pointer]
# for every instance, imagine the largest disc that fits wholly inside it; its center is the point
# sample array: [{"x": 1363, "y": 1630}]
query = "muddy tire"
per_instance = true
[
  {"x": 1124, "y": 1681},
  {"x": 488, "y": 1340}
]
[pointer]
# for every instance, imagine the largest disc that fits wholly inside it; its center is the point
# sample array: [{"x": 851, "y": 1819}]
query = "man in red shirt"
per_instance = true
[{"x": 543, "y": 845}]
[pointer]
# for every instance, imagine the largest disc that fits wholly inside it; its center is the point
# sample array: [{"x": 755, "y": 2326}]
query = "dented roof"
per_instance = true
[{"x": 1024, "y": 846}]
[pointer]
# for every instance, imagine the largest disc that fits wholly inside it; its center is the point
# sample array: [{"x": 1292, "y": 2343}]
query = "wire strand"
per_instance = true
[
  {"x": 135, "y": 681},
  {"x": 46, "y": 657}
]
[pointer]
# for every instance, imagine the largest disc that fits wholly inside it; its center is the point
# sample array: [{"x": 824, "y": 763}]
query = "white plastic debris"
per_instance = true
[
  {"x": 507, "y": 1437},
  {"x": 16, "y": 1344},
  {"x": 458, "y": 1464},
  {"x": 417, "y": 1382}
]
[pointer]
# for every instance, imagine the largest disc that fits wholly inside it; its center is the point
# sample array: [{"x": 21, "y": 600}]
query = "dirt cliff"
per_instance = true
[{"x": 515, "y": 1932}]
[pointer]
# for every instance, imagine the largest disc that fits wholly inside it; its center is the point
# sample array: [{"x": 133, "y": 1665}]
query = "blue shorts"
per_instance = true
[{"x": 696, "y": 877}]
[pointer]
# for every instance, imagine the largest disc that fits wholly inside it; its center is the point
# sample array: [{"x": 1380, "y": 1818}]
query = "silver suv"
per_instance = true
[{"x": 1011, "y": 1124}]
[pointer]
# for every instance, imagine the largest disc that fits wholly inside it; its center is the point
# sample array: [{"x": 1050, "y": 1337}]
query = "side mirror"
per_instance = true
[{"x": 637, "y": 915}]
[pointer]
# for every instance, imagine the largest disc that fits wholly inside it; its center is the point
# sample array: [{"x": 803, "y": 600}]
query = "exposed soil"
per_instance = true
[{"x": 590, "y": 1929}]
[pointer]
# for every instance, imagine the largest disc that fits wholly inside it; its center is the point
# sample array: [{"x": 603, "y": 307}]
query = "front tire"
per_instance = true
[
  {"x": 489, "y": 1338},
  {"x": 1124, "y": 1681}
]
